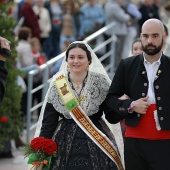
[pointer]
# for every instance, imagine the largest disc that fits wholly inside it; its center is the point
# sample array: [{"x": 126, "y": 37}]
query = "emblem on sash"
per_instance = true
[{"x": 63, "y": 89}]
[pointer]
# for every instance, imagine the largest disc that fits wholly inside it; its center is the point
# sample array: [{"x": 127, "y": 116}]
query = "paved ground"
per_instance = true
[{"x": 17, "y": 162}]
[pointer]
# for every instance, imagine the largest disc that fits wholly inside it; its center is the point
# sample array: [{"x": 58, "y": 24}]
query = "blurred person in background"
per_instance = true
[
  {"x": 57, "y": 65},
  {"x": 167, "y": 29},
  {"x": 30, "y": 18},
  {"x": 115, "y": 13},
  {"x": 26, "y": 61},
  {"x": 165, "y": 13},
  {"x": 148, "y": 10},
  {"x": 55, "y": 9},
  {"x": 20, "y": 4},
  {"x": 44, "y": 22},
  {"x": 68, "y": 28},
  {"x": 136, "y": 47},
  {"x": 92, "y": 18},
  {"x": 39, "y": 58},
  {"x": 131, "y": 9}
]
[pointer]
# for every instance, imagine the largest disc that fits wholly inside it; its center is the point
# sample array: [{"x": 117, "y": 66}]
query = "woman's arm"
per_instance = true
[{"x": 50, "y": 121}]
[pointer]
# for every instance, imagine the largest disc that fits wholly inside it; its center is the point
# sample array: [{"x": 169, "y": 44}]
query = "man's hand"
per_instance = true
[
  {"x": 4, "y": 48},
  {"x": 124, "y": 97},
  {"x": 141, "y": 105},
  {"x": 5, "y": 43}
]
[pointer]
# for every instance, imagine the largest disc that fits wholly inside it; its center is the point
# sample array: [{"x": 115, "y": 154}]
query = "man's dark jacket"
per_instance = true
[
  {"x": 131, "y": 79},
  {"x": 3, "y": 78}
]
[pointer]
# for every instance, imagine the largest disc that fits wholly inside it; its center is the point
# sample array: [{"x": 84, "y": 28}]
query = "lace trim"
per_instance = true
[
  {"x": 77, "y": 151},
  {"x": 94, "y": 93},
  {"x": 158, "y": 127}
]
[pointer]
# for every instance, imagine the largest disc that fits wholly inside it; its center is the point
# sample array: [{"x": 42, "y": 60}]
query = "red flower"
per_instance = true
[
  {"x": 4, "y": 119},
  {"x": 39, "y": 150},
  {"x": 36, "y": 143},
  {"x": 47, "y": 145}
]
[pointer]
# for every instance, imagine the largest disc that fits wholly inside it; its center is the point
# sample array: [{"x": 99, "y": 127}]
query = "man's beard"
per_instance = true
[{"x": 154, "y": 51}]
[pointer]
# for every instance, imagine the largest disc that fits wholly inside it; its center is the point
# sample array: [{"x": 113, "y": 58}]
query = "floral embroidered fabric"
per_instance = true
[{"x": 77, "y": 151}]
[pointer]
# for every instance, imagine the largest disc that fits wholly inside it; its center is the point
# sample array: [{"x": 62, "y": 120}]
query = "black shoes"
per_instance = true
[
  {"x": 6, "y": 155},
  {"x": 19, "y": 143}
]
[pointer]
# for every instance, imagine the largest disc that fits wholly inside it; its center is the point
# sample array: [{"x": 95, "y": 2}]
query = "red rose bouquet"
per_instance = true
[{"x": 40, "y": 152}]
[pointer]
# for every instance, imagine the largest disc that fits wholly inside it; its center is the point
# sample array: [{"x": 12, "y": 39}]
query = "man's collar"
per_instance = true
[{"x": 157, "y": 61}]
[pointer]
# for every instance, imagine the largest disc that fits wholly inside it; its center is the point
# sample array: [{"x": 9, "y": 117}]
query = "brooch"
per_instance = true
[{"x": 158, "y": 73}]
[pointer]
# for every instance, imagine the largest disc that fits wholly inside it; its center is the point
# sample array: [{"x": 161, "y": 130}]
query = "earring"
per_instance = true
[
  {"x": 87, "y": 68},
  {"x": 68, "y": 69}
]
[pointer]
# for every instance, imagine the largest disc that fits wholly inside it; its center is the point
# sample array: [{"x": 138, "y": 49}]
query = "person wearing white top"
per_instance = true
[{"x": 44, "y": 24}]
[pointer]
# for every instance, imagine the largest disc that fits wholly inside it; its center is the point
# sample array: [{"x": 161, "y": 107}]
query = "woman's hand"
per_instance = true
[{"x": 124, "y": 97}]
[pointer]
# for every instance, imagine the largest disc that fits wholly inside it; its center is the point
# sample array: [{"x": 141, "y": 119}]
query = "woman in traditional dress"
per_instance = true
[{"x": 72, "y": 114}]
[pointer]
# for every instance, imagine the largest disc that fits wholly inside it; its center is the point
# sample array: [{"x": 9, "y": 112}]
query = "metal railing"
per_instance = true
[{"x": 45, "y": 71}]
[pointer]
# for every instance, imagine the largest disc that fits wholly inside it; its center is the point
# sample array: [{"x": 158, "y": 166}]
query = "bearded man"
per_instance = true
[{"x": 145, "y": 80}]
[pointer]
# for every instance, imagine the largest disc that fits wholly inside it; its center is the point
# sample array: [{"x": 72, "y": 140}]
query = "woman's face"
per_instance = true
[
  {"x": 137, "y": 48},
  {"x": 77, "y": 60}
]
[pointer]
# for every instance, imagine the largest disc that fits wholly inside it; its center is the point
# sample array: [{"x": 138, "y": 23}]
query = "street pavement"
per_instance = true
[{"x": 17, "y": 162}]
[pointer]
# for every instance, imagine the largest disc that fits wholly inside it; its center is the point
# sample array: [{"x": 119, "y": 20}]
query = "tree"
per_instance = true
[{"x": 11, "y": 122}]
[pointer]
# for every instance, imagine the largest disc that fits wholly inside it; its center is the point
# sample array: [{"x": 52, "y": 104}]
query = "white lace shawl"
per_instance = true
[{"x": 94, "y": 93}]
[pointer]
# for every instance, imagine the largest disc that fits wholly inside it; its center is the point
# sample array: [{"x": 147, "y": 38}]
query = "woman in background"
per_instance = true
[{"x": 136, "y": 47}]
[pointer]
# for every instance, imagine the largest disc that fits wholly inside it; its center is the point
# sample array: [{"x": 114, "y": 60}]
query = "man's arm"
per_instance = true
[
  {"x": 4, "y": 54},
  {"x": 3, "y": 78}
]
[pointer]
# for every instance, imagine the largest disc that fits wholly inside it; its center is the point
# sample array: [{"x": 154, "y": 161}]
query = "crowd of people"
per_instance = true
[
  {"x": 56, "y": 21},
  {"x": 137, "y": 97}
]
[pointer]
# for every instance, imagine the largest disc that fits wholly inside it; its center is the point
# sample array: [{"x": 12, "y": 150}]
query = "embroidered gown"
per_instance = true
[{"x": 76, "y": 151}]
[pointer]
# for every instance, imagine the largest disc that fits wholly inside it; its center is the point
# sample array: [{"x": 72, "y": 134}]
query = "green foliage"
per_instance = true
[
  {"x": 39, "y": 154},
  {"x": 10, "y": 107}
]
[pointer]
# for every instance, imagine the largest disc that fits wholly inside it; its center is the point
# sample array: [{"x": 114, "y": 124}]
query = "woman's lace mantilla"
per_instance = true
[{"x": 95, "y": 84}]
